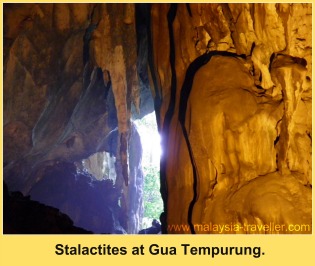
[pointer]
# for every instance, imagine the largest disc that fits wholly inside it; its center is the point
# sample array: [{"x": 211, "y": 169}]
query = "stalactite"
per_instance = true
[
  {"x": 114, "y": 50},
  {"x": 289, "y": 74}
]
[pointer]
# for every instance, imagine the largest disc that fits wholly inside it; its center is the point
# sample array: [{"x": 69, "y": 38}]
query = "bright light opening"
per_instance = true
[
  {"x": 150, "y": 139},
  {"x": 151, "y": 145}
]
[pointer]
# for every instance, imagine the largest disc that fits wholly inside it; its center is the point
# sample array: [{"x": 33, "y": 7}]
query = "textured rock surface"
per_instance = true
[
  {"x": 100, "y": 165},
  {"x": 234, "y": 83},
  {"x": 70, "y": 77},
  {"x": 91, "y": 204},
  {"x": 232, "y": 94}
]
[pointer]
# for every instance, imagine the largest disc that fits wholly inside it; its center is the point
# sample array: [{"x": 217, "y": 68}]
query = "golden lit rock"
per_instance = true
[{"x": 231, "y": 87}]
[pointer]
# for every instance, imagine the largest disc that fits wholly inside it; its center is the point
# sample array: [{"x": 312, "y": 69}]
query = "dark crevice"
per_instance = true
[
  {"x": 276, "y": 141},
  {"x": 188, "y": 9},
  {"x": 88, "y": 68},
  {"x": 300, "y": 61},
  {"x": 86, "y": 42},
  {"x": 185, "y": 92},
  {"x": 164, "y": 131},
  {"x": 310, "y": 136},
  {"x": 145, "y": 9},
  {"x": 272, "y": 57},
  {"x": 146, "y": 101},
  {"x": 87, "y": 37},
  {"x": 252, "y": 48},
  {"x": 288, "y": 60},
  {"x": 260, "y": 88}
]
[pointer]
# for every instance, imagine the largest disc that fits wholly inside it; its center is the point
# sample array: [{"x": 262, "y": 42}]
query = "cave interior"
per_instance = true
[{"x": 231, "y": 88}]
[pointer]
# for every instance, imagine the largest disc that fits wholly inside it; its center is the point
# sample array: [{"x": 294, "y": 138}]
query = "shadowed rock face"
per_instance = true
[
  {"x": 231, "y": 87},
  {"x": 70, "y": 78},
  {"x": 90, "y": 203},
  {"x": 25, "y": 216}
]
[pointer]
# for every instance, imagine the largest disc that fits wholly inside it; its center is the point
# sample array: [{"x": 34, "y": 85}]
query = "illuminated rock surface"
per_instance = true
[{"x": 231, "y": 86}]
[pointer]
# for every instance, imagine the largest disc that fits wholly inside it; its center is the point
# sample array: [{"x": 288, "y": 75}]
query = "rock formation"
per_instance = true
[
  {"x": 70, "y": 76},
  {"x": 235, "y": 92},
  {"x": 22, "y": 215},
  {"x": 230, "y": 85}
]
